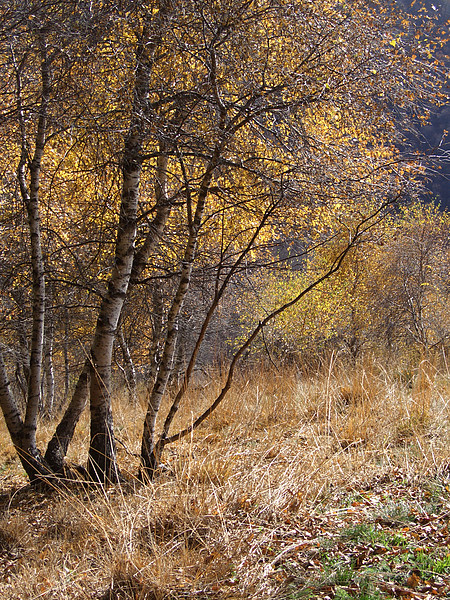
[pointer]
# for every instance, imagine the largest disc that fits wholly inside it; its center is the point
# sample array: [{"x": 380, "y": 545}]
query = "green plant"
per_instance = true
[
  {"x": 433, "y": 563},
  {"x": 342, "y": 594},
  {"x": 368, "y": 591},
  {"x": 363, "y": 533}
]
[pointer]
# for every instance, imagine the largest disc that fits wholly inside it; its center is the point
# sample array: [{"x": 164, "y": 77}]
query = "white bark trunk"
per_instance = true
[
  {"x": 102, "y": 453},
  {"x": 9, "y": 406},
  {"x": 129, "y": 370},
  {"x": 29, "y": 453},
  {"x": 148, "y": 457},
  {"x": 49, "y": 372},
  {"x": 66, "y": 357}
]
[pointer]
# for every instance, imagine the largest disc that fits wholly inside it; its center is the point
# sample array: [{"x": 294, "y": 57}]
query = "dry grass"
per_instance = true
[{"x": 232, "y": 498}]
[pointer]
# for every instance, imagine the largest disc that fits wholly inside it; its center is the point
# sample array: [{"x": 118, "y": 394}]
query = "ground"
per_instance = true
[{"x": 331, "y": 485}]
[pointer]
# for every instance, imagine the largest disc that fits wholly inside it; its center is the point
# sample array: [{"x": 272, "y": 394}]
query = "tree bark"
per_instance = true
[
  {"x": 157, "y": 320},
  {"x": 102, "y": 465},
  {"x": 149, "y": 458},
  {"x": 49, "y": 400},
  {"x": 9, "y": 406},
  {"x": 59, "y": 443},
  {"x": 130, "y": 371},
  {"x": 27, "y": 448},
  {"x": 157, "y": 225},
  {"x": 66, "y": 357}
]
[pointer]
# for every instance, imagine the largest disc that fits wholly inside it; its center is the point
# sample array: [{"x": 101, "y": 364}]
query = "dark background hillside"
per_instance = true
[{"x": 431, "y": 138}]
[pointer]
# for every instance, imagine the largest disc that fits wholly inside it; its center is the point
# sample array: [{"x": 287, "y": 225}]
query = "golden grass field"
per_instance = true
[{"x": 258, "y": 503}]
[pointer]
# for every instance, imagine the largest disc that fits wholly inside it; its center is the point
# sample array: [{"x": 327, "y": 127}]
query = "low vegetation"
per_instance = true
[{"x": 325, "y": 484}]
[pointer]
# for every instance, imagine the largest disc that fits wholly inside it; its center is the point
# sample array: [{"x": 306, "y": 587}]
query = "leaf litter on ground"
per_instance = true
[{"x": 389, "y": 540}]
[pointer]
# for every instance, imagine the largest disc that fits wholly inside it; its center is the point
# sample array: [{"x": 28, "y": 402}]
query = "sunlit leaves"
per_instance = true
[{"x": 391, "y": 292}]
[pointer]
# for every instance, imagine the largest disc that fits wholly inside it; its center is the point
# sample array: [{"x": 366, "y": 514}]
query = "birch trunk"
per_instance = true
[
  {"x": 102, "y": 464},
  {"x": 23, "y": 357},
  {"x": 49, "y": 372},
  {"x": 9, "y": 406},
  {"x": 96, "y": 375},
  {"x": 102, "y": 451},
  {"x": 157, "y": 328},
  {"x": 66, "y": 357},
  {"x": 156, "y": 227},
  {"x": 130, "y": 371},
  {"x": 149, "y": 458},
  {"x": 27, "y": 448}
]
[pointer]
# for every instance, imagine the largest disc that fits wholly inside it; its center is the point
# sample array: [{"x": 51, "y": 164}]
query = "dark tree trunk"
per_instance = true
[{"x": 58, "y": 445}]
